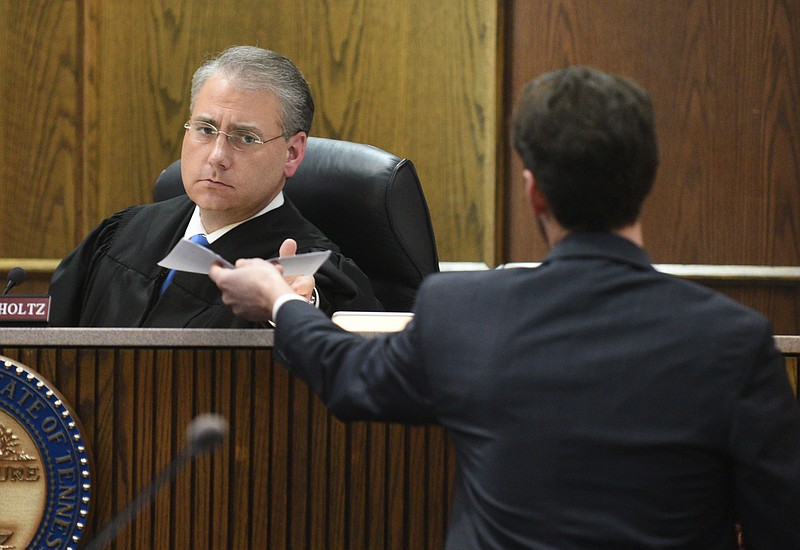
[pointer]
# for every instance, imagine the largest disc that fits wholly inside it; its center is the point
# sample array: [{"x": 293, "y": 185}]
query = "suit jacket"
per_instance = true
[
  {"x": 592, "y": 402},
  {"x": 112, "y": 278}
]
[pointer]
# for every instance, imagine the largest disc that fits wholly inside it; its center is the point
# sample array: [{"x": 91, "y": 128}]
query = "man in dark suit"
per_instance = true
[{"x": 593, "y": 401}]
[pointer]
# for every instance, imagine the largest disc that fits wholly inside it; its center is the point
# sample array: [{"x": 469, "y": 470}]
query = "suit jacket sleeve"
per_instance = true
[
  {"x": 379, "y": 378},
  {"x": 763, "y": 443}
]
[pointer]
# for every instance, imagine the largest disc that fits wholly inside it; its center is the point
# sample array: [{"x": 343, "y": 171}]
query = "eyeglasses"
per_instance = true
[{"x": 241, "y": 140}]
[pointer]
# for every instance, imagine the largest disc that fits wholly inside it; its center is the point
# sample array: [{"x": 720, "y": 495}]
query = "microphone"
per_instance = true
[
  {"x": 15, "y": 277},
  {"x": 204, "y": 433}
]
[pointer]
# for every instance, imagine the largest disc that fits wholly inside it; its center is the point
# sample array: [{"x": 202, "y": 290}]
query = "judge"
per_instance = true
[{"x": 251, "y": 112}]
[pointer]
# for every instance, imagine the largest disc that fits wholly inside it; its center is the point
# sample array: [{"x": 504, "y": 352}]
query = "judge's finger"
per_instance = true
[{"x": 288, "y": 248}]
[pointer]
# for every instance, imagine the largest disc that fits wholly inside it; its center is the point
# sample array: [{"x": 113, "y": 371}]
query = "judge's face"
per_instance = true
[{"x": 230, "y": 185}]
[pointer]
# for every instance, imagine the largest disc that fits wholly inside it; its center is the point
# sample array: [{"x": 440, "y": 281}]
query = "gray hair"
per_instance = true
[{"x": 253, "y": 68}]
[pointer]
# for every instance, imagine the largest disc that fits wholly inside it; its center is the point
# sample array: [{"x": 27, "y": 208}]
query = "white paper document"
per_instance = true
[
  {"x": 302, "y": 264},
  {"x": 372, "y": 321},
  {"x": 194, "y": 258}
]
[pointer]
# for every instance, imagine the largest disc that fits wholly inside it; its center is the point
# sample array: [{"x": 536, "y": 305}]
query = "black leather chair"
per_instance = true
[{"x": 367, "y": 201}]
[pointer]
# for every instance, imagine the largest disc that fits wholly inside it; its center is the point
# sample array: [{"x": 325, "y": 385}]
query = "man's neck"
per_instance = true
[
  {"x": 632, "y": 233},
  {"x": 554, "y": 232},
  {"x": 214, "y": 221}
]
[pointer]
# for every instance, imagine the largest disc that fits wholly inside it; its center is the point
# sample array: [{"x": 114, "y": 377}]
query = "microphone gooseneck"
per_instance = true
[{"x": 204, "y": 433}]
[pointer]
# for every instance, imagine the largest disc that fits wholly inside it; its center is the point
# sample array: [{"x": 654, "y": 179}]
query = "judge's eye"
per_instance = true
[
  {"x": 205, "y": 129},
  {"x": 245, "y": 138}
]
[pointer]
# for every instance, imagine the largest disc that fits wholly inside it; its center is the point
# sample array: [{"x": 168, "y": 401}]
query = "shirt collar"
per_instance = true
[
  {"x": 195, "y": 226},
  {"x": 598, "y": 244}
]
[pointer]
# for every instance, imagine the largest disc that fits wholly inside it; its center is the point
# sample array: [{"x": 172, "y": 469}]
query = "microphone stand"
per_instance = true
[
  {"x": 204, "y": 433},
  {"x": 112, "y": 528}
]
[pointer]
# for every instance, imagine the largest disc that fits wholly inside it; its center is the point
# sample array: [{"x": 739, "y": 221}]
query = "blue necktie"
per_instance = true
[{"x": 199, "y": 239}]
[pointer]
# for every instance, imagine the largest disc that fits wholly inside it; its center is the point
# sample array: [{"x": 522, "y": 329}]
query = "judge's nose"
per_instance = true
[{"x": 221, "y": 153}]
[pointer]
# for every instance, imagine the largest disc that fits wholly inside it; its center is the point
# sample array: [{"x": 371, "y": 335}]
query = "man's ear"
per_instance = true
[
  {"x": 535, "y": 197},
  {"x": 295, "y": 153}
]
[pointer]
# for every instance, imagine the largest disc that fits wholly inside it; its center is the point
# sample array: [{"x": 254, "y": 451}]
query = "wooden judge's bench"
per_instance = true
[{"x": 290, "y": 475}]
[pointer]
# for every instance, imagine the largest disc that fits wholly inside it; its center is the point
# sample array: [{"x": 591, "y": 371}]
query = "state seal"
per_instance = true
[{"x": 45, "y": 465}]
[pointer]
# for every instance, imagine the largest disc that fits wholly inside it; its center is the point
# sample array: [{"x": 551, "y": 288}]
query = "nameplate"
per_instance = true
[{"x": 25, "y": 309}]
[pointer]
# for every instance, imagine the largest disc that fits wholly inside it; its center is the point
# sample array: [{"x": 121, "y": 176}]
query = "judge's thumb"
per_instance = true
[
  {"x": 288, "y": 248},
  {"x": 215, "y": 272}
]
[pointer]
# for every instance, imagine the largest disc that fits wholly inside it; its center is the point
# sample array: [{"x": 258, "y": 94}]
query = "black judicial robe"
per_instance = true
[{"x": 112, "y": 278}]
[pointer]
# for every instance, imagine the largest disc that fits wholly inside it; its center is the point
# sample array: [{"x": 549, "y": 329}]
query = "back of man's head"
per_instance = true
[{"x": 589, "y": 139}]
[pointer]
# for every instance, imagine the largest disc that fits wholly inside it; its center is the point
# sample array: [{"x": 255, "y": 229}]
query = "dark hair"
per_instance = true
[
  {"x": 589, "y": 139},
  {"x": 255, "y": 68}
]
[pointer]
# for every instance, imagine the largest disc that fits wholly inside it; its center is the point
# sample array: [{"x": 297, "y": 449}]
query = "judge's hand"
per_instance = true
[
  {"x": 251, "y": 288},
  {"x": 301, "y": 284}
]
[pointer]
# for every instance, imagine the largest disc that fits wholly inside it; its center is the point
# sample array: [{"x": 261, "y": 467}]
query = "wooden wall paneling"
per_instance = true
[
  {"x": 417, "y": 490},
  {"x": 320, "y": 477},
  {"x": 280, "y": 472},
  {"x": 223, "y": 460},
  {"x": 105, "y": 103},
  {"x": 258, "y": 461},
  {"x": 360, "y": 484},
  {"x": 548, "y": 35},
  {"x": 363, "y": 63},
  {"x": 793, "y": 370},
  {"x": 124, "y": 486},
  {"x": 240, "y": 440},
  {"x": 725, "y": 80},
  {"x": 39, "y": 156},
  {"x": 89, "y": 205},
  {"x": 202, "y": 503},
  {"x": 396, "y": 480},
  {"x": 327, "y": 489},
  {"x": 146, "y": 54},
  {"x": 302, "y": 482},
  {"x": 242, "y": 444},
  {"x": 162, "y": 408},
  {"x": 441, "y": 465},
  {"x": 101, "y": 362},
  {"x": 144, "y": 419},
  {"x": 378, "y": 490},
  {"x": 419, "y": 80},
  {"x": 731, "y": 132},
  {"x": 779, "y": 302},
  {"x": 184, "y": 399}
]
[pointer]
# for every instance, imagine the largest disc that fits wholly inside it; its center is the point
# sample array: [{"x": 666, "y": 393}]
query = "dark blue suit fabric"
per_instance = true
[{"x": 593, "y": 402}]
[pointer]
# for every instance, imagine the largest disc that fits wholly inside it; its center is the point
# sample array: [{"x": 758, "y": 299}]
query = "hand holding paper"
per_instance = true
[{"x": 252, "y": 288}]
